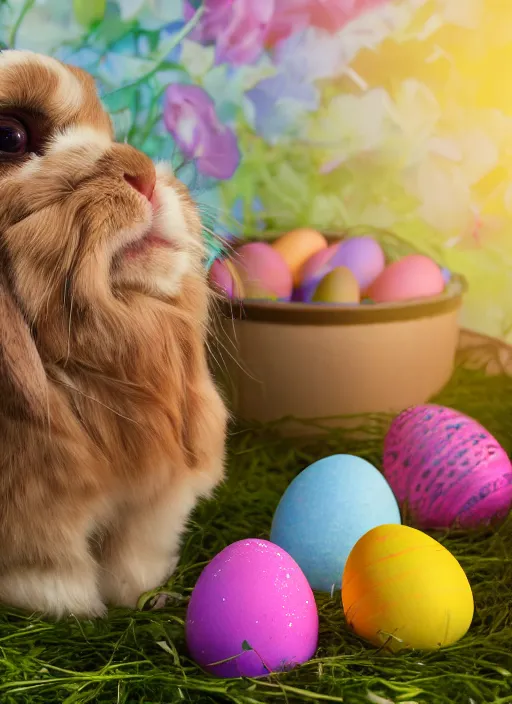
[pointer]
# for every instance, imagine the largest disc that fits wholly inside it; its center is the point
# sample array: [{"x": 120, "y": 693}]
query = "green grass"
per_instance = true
[{"x": 134, "y": 657}]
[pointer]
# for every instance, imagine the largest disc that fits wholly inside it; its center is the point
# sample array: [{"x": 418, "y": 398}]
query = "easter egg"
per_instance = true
[
  {"x": 414, "y": 276},
  {"x": 363, "y": 256},
  {"x": 224, "y": 277},
  {"x": 315, "y": 268},
  {"x": 338, "y": 286},
  {"x": 263, "y": 272},
  {"x": 447, "y": 275},
  {"x": 297, "y": 246},
  {"x": 403, "y": 589},
  {"x": 446, "y": 469},
  {"x": 324, "y": 512},
  {"x": 253, "y": 609}
]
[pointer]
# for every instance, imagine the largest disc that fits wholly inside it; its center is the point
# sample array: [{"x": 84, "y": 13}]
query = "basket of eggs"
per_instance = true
[{"x": 324, "y": 326}]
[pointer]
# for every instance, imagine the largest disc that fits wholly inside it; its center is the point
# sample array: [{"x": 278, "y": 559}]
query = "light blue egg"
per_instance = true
[{"x": 324, "y": 512}]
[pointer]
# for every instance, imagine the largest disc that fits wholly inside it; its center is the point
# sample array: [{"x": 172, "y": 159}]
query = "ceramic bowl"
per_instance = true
[{"x": 300, "y": 362}]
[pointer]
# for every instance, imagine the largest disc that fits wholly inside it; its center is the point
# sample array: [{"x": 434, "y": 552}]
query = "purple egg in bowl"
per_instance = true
[{"x": 363, "y": 256}]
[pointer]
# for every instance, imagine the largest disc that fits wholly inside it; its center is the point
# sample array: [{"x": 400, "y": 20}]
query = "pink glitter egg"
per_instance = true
[
  {"x": 446, "y": 469},
  {"x": 253, "y": 609},
  {"x": 263, "y": 272}
]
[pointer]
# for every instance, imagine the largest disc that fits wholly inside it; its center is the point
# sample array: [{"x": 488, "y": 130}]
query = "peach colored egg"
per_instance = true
[
  {"x": 297, "y": 246},
  {"x": 414, "y": 276},
  {"x": 263, "y": 272},
  {"x": 338, "y": 286}
]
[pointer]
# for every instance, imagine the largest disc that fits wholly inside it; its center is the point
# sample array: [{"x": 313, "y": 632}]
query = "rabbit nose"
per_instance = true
[{"x": 143, "y": 183}]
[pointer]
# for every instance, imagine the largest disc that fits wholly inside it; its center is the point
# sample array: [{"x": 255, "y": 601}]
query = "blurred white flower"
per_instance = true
[{"x": 352, "y": 124}]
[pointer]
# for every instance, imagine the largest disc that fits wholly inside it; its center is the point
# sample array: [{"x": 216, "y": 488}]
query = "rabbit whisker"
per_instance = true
[{"x": 100, "y": 403}]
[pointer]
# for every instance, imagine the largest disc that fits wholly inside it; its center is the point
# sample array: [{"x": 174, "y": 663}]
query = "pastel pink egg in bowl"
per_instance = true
[{"x": 300, "y": 359}]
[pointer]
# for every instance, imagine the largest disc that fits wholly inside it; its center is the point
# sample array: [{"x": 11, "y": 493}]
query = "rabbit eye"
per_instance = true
[{"x": 13, "y": 137}]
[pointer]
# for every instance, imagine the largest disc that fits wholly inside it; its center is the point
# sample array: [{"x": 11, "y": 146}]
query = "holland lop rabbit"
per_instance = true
[{"x": 111, "y": 427}]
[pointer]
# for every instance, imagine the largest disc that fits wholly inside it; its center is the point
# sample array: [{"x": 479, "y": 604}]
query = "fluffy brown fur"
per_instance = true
[{"x": 110, "y": 425}]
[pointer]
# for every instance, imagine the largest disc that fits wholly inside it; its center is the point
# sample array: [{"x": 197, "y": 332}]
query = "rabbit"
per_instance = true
[{"x": 111, "y": 425}]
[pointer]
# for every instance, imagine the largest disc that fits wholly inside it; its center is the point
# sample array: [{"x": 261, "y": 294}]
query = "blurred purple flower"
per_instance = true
[
  {"x": 237, "y": 28},
  {"x": 189, "y": 115},
  {"x": 280, "y": 103}
]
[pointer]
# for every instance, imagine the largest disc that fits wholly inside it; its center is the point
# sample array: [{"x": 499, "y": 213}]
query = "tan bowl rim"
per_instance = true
[
  {"x": 338, "y": 314},
  {"x": 345, "y": 314}
]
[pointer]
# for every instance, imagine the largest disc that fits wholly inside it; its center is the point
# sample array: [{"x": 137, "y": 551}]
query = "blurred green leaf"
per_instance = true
[
  {"x": 156, "y": 146},
  {"x": 120, "y": 99},
  {"x": 153, "y": 37},
  {"x": 123, "y": 122},
  {"x": 88, "y": 12},
  {"x": 116, "y": 100},
  {"x": 112, "y": 29},
  {"x": 27, "y": 6},
  {"x": 170, "y": 66}
]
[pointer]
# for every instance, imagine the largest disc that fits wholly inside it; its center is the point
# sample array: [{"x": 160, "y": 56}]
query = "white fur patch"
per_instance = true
[
  {"x": 163, "y": 170},
  {"x": 169, "y": 218},
  {"x": 145, "y": 552},
  {"x": 17, "y": 57},
  {"x": 130, "y": 235},
  {"x": 170, "y": 285},
  {"x": 79, "y": 137},
  {"x": 171, "y": 224},
  {"x": 30, "y": 167},
  {"x": 53, "y": 593},
  {"x": 69, "y": 95}
]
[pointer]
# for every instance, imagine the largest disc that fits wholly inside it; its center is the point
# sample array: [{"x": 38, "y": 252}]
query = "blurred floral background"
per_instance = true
[{"x": 332, "y": 113}]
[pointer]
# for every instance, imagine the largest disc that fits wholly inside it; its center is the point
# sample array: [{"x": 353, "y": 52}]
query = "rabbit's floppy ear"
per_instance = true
[{"x": 23, "y": 382}]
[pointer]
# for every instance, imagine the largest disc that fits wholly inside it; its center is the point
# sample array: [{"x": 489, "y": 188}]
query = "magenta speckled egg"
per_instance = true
[
  {"x": 414, "y": 276},
  {"x": 446, "y": 469},
  {"x": 263, "y": 272},
  {"x": 252, "y": 608},
  {"x": 363, "y": 256}
]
